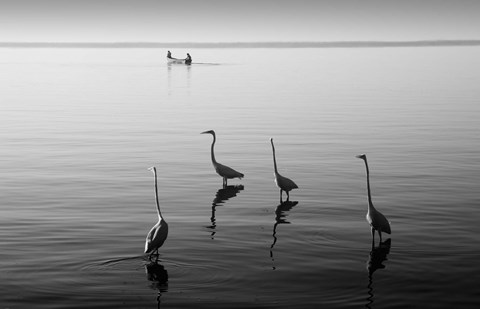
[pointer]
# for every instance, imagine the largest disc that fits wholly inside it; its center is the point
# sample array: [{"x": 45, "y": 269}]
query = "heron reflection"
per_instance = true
[
  {"x": 280, "y": 218},
  {"x": 158, "y": 276},
  {"x": 222, "y": 195},
  {"x": 377, "y": 256}
]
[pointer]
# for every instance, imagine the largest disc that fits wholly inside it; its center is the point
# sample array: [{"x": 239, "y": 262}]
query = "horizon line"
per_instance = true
[{"x": 265, "y": 44}]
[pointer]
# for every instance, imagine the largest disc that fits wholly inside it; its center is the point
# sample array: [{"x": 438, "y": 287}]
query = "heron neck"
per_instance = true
[
  {"x": 212, "y": 152},
  {"x": 274, "y": 159},
  {"x": 156, "y": 196},
  {"x": 370, "y": 204}
]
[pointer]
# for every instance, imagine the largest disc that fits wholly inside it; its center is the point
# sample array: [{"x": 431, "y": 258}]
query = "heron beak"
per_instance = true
[
  {"x": 206, "y": 132},
  {"x": 360, "y": 156}
]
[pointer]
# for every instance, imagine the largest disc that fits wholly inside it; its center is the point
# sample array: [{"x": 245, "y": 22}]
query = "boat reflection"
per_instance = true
[
  {"x": 375, "y": 261},
  {"x": 280, "y": 218},
  {"x": 222, "y": 195},
  {"x": 158, "y": 276},
  {"x": 182, "y": 82}
]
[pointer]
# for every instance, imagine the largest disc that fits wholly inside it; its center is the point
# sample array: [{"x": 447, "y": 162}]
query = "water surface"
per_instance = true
[{"x": 80, "y": 127}]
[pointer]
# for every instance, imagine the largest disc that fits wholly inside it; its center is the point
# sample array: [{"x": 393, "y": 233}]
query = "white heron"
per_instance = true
[
  {"x": 376, "y": 219},
  {"x": 284, "y": 183},
  {"x": 159, "y": 232},
  {"x": 224, "y": 171}
]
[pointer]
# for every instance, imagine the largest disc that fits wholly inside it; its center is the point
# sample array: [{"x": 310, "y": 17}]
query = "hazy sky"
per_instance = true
[{"x": 237, "y": 20}]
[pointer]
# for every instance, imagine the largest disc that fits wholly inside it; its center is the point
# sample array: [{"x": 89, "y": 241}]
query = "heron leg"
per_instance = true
[
  {"x": 288, "y": 196},
  {"x": 380, "y": 234},
  {"x": 280, "y": 195}
]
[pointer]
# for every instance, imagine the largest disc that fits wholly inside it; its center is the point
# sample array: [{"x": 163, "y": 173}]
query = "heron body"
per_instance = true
[
  {"x": 159, "y": 232},
  {"x": 378, "y": 222},
  {"x": 284, "y": 183},
  {"x": 224, "y": 171}
]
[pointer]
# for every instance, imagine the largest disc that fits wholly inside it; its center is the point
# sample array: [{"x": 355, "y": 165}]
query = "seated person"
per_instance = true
[{"x": 188, "y": 60}]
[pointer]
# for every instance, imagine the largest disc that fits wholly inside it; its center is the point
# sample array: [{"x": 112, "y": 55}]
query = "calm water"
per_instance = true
[{"x": 80, "y": 127}]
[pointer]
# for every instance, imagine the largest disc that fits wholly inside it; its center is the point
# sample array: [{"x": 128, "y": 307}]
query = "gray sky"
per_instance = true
[{"x": 237, "y": 20}]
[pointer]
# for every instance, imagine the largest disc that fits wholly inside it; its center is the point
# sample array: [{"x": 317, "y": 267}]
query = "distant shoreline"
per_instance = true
[{"x": 333, "y": 44}]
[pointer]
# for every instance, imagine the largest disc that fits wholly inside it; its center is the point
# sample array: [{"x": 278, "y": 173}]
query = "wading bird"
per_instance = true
[
  {"x": 157, "y": 235},
  {"x": 376, "y": 219},
  {"x": 224, "y": 171},
  {"x": 284, "y": 183}
]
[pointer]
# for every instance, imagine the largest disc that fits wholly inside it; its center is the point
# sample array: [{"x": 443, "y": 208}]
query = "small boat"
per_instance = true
[
  {"x": 187, "y": 60},
  {"x": 176, "y": 60}
]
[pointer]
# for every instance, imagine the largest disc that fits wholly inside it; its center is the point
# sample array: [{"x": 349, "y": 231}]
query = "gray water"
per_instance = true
[{"x": 80, "y": 127}]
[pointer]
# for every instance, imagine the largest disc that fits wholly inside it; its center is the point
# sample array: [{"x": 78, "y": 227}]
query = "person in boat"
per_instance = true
[
  {"x": 188, "y": 60},
  {"x": 169, "y": 54}
]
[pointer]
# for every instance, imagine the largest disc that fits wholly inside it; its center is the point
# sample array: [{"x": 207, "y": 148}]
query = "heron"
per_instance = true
[
  {"x": 284, "y": 183},
  {"x": 224, "y": 171},
  {"x": 159, "y": 232},
  {"x": 378, "y": 222}
]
